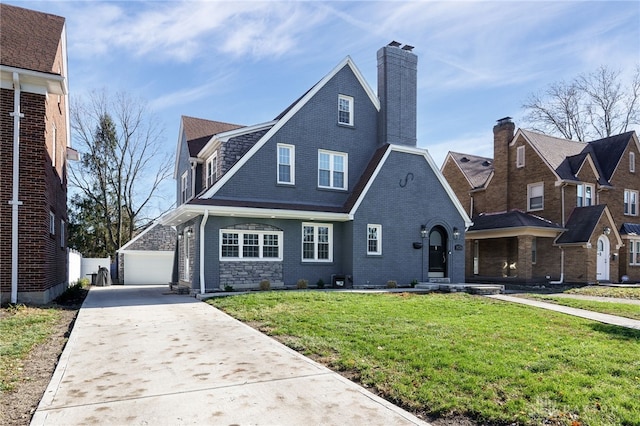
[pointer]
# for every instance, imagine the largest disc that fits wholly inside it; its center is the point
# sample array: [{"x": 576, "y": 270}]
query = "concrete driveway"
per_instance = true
[{"x": 138, "y": 356}]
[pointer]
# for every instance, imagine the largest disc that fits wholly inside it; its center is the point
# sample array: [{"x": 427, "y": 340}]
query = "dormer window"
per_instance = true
[
  {"x": 584, "y": 195},
  {"x": 212, "y": 172},
  {"x": 345, "y": 110}
]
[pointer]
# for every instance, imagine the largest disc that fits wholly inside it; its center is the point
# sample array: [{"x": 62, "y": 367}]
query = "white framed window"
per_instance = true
[
  {"x": 374, "y": 239},
  {"x": 250, "y": 245},
  {"x": 535, "y": 196},
  {"x": 584, "y": 195},
  {"x": 332, "y": 169},
  {"x": 317, "y": 242},
  {"x": 212, "y": 170},
  {"x": 634, "y": 252},
  {"x": 520, "y": 156},
  {"x": 630, "y": 202},
  {"x": 286, "y": 164},
  {"x": 184, "y": 188},
  {"x": 632, "y": 162},
  {"x": 62, "y": 233},
  {"x": 52, "y": 223},
  {"x": 345, "y": 110}
]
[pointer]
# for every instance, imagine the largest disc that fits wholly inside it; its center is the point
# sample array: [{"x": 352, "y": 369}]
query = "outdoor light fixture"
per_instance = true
[
  {"x": 423, "y": 231},
  {"x": 456, "y": 233},
  {"x": 179, "y": 237},
  {"x": 606, "y": 230},
  {"x": 189, "y": 232}
]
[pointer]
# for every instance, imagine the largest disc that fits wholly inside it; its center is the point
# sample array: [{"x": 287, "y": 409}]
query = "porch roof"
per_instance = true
[
  {"x": 581, "y": 224},
  {"x": 512, "y": 224},
  {"x": 630, "y": 229}
]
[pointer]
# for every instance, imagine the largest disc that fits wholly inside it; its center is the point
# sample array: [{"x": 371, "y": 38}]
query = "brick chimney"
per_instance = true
[
  {"x": 503, "y": 133},
  {"x": 397, "y": 90}
]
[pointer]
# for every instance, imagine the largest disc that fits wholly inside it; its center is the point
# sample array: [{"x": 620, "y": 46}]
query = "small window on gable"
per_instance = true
[
  {"x": 52, "y": 223},
  {"x": 632, "y": 162},
  {"x": 535, "y": 196},
  {"x": 184, "y": 189},
  {"x": 62, "y": 235},
  {"x": 212, "y": 170},
  {"x": 53, "y": 145},
  {"x": 630, "y": 202},
  {"x": 520, "y": 156},
  {"x": 286, "y": 164},
  {"x": 345, "y": 110},
  {"x": 374, "y": 239},
  {"x": 584, "y": 196}
]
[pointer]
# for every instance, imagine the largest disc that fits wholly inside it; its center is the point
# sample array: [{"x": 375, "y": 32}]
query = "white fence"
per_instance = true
[{"x": 75, "y": 266}]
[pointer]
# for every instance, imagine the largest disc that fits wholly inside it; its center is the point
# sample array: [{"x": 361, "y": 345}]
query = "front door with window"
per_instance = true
[
  {"x": 437, "y": 253},
  {"x": 602, "y": 262}
]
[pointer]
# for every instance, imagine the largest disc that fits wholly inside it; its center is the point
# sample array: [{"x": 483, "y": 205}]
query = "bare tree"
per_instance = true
[
  {"x": 591, "y": 106},
  {"x": 122, "y": 166}
]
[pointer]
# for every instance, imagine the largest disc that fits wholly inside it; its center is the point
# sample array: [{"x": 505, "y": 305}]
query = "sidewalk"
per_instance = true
[
  {"x": 138, "y": 356},
  {"x": 595, "y": 316}
]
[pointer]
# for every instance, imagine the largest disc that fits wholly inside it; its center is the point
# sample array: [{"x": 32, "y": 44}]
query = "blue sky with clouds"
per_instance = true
[{"x": 244, "y": 62}]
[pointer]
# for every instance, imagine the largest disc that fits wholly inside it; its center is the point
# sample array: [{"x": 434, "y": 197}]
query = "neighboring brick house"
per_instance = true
[
  {"x": 334, "y": 188},
  {"x": 550, "y": 209},
  {"x": 34, "y": 118},
  {"x": 149, "y": 257}
]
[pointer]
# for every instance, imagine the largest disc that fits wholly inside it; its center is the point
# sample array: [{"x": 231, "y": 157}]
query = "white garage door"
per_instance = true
[{"x": 148, "y": 267}]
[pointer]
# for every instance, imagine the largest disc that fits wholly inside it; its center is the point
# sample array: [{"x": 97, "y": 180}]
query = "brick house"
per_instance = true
[
  {"x": 550, "y": 209},
  {"x": 333, "y": 189},
  {"x": 34, "y": 136}
]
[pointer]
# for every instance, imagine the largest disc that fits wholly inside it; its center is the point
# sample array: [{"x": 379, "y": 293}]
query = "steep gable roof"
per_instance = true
[
  {"x": 609, "y": 152},
  {"x": 581, "y": 224},
  {"x": 199, "y": 131},
  {"x": 475, "y": 169},
  {"x": 512, "y": 219},
  {"x": 29, "y": 39},
  {"x": 554, "y": 151}
]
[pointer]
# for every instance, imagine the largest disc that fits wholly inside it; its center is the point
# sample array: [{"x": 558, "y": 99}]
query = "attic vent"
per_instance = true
[
  {"x": 464, "y": 160},
  {"x": 486, "y": 163}
]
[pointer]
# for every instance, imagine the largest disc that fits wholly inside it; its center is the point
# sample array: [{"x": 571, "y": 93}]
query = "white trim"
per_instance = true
[
  {"x": 211, "y": 164},
  {"x": 292, "y": 164},
  {"x": 34, "y": 81},
  {"x": 520, "y": 160},
  {"x": 529, "y": 196},
  {"x": 261, "y": 234},
  {"x": 425, "y": 154},
  {"x": 292, "y": 112},
  {"x": 332, "y": 155},
  {"x": 315, "y": 227},
  {"x": 350, "y": 104},
  {"x": 378, "y": 229}
]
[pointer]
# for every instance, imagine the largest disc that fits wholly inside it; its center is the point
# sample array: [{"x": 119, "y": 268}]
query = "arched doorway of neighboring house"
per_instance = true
[
  {"x": 602, "y": 261},
  {"x": 438, "y": 252}
]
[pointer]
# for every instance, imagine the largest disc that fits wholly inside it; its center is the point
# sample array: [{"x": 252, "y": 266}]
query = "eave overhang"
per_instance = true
[
  {"x": 34, "y": 81},
  {"x": 533, "y": 231}
]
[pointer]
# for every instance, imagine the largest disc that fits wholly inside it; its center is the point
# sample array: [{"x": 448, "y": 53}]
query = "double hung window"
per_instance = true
[
  {"x": 584, "y": 195},
  {"x": 520, "y": 156},
  {"x": 212, "y": 172},
  {"x": 317, "y": 242},
  {"x": 630, "y": 202},
  {"x": 286, "y": 164},
  {"x": 634, "y": 252},
  {"x": 374, "y": 239},
  {"x": 535, "y": 196},
  {"x": 332, "y": 170},
  {"x": 345, "y": 110}
]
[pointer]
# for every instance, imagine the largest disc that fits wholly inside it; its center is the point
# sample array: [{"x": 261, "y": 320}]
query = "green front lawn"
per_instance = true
[
  {"x": 443, "y": 355},
  {"x": 21, "y": 328},
  {"x": 612, "y": 308},
  {"x": 606, "y": 291}
]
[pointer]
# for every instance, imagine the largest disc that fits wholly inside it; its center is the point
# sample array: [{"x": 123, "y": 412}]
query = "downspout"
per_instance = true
[
  {"x": 16, "y": 185},
  {"x": 561, "y": 280},
  {"x": 201, "y": 236}
]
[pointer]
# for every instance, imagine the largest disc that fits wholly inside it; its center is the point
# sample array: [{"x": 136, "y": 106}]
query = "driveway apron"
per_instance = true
[{"x": 139, "y": 356}]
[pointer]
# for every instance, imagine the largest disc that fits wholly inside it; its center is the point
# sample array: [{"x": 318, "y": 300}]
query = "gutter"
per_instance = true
[
  {"x": 201, "y": 237},
  {"x": 17, "y": 115}
]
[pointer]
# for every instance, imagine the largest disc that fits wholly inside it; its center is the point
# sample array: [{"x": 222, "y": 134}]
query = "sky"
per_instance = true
[{"x": 244, "y": 62}]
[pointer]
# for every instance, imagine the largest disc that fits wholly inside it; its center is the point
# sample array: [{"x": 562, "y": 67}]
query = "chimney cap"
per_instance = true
[
  {"x": 394, "y": 44},
  {"x": 504, "y": 120},
  {"x": 407, "y": 47}
]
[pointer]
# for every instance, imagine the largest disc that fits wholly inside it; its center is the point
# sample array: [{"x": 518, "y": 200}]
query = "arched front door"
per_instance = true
[
  {"x": 437, "y": 253},
  {"x": 602, "y": 262}
]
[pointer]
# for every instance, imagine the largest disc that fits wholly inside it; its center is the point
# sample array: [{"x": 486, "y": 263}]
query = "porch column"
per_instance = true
[{"x": 525, "y": 267}]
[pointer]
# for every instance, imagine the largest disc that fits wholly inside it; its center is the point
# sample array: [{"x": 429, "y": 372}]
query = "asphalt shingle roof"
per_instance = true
[
  {"x": 512, "y": 219},
  {"x": 29, "y": 39},
  {"x": 581, "y": 224},
  {"x": 198, "y": 131},
  {"x": 476, "y": 169}
]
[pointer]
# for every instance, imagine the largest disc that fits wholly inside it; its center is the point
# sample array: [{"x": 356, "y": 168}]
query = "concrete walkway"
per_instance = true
[
  {"x": 137, "y": 356},
  {"x": 595, "y": 316}
]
